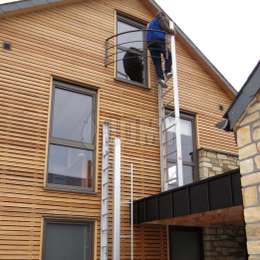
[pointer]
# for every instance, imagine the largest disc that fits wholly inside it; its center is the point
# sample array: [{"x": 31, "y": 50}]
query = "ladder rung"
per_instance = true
[
  {"x": 125, "y": 203},
  {"x": 168, "y": 140},
  {"x": 105, "y": 169},
  {"x": 166, "y": 155},
  {"x": 169, "y": 103},
  {"x": 166, "y": 92},
  {"x": 169, "y": 114},
  {"x": 171, "y": 180},
  {"x": 169, "y": 127},
  {"x": 105, "y": 154}
]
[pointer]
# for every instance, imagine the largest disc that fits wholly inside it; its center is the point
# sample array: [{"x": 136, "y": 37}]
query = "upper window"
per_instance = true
[
  {"x": 67, "y": 240},
  {"x": 131, "y": 52},
  {"x": 72, "y": 138},
  {"x": 188, "y": 146}
]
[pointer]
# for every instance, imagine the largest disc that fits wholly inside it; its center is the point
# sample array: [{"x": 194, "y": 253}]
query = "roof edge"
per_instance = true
[
  {"x": 228, "y": 116},
  {"x": 22, "y": 6},
  {"x": 219, "y": 76}
]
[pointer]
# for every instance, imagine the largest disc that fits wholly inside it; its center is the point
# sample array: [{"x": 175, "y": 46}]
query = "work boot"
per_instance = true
[
  {"x": 168, "y": 76},
  {"x": 162, "y": 83}
]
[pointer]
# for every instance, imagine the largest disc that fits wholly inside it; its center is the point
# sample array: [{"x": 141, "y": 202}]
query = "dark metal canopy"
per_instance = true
[{"x": 218, "y": 192}]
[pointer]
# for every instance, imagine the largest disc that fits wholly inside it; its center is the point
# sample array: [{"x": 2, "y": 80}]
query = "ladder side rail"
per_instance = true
[
  {"x": 177, "y": 110},
  {"x": 105, "y": 196},
  {"x": 162, "y": 127},
  {"x": 132, "y": 211},
  {"x": 117, "y": 199}
]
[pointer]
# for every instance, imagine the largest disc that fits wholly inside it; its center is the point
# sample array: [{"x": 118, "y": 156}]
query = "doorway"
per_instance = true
[{"x": 185, "y": 243}]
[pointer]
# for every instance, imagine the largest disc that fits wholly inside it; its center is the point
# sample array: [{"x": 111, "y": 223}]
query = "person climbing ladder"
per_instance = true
[{"x": 157, "y": 42}]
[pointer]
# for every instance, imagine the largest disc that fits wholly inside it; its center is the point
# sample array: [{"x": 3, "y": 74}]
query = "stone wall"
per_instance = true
[
  {"x": 225, "y": 243},
  {"x": 221, "y": 243},
  {"x": 248, "y": 137},
  {"x": 212, "y": 163}
]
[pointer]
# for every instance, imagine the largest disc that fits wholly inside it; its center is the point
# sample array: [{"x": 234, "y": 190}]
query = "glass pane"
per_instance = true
[
  {"x": 130, "y": 66},
  {"x": 171, "y": 139},
  {"x": 131, "y": 39},
  {"x": 70, "y": 167},
  {"x": 72, "y": 116},
  {"x": 186, "y": 139},
  {"x": 187, "y": 174},
  {"x": 67, "y": 242},
  {"x": 172, "y": 177}
]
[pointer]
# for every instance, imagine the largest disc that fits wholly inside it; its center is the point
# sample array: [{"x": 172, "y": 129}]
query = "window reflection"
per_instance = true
[
  {"x": 72, "y": 116},
  {"x": 131, "y": 39},
  {"x": 187, "y": 144},
  {"x": 72, "y": 140},
  {"x": 186, "y": 139},
  {"x": 130, "y": 65},
  {"x": 70, "y": 166},
  {"x": 131, "y": 58}
]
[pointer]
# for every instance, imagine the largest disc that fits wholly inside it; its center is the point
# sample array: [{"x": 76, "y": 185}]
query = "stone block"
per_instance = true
[
  {"x": 246, "y": 166},
  {"x": 258, "y": 146},
  {"x": 253, "y": 257},
  {"x": 252, "y": 214},
  {"x": 206, "y": 164},
  {"x": 217, "y": 169},
  {"x": 253, "y": 231},
  {"x": 256, "y": 134},
  {"x": 247, "y": 151},
  {"x": 257, "y": 161},
  {"x": 211, "y": 155},
  {"x": 250, "y": 118},
  {"x": 222, "y": 156},
  {"x": 244, "y": 136},
  {"x": 256, "y": 124},
  {"x": 253, "y": 247},
  {"x": 250, "y": 196},
  {"x": 250, "y": 179}
]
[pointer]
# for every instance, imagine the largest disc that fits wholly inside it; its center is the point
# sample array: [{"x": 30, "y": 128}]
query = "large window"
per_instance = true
[
  {"x": 72, "y": 138},
  {"x": 131, "y": 52},
  {"x": 188, "y": 150},
  {"x": 65, "y": 240}
]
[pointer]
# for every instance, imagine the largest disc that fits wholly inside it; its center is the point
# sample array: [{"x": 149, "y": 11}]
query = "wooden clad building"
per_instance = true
[{"x": 52, "y": 75}]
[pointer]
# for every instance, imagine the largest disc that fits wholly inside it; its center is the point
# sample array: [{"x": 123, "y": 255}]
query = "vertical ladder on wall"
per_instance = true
[
  {"x": 164, "y": 93},
  {"x": 104, "y": 199}
]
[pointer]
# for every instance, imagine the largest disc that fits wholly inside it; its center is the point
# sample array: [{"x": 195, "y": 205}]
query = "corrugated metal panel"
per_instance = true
[{"x": 218, "y": 192}]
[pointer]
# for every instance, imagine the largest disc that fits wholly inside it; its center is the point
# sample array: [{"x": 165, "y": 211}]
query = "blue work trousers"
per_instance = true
[{"x": 156, "y": 49}]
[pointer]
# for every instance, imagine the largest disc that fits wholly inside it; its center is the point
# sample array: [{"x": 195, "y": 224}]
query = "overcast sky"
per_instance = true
[{"x": 226, "y": 31}]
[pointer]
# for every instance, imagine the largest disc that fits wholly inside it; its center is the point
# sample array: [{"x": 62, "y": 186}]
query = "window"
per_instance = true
[
  {"x": 67, "y": 240},
  {"x": 72, "y": 138},
  {"x": 188, "y": 150},
  {"x": 131, "y": 52}
]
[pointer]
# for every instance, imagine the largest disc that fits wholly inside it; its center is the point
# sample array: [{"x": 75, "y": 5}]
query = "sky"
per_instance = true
[{"x": 226, "y": 31}]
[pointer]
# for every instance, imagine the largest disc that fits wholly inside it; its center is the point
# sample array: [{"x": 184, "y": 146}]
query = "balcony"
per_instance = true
[{"x": 216, "y": 200}]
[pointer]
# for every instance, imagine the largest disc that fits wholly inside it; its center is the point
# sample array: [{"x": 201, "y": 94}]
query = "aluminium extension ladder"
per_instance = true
[
  {"x": 105, "y": 192},
  {"x": 163, "y": 102}
]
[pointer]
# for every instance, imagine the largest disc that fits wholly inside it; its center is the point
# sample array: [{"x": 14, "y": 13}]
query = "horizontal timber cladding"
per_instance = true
[
  {"x": 218, "y": 192},
  {"x": 67, "y": 42}
]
